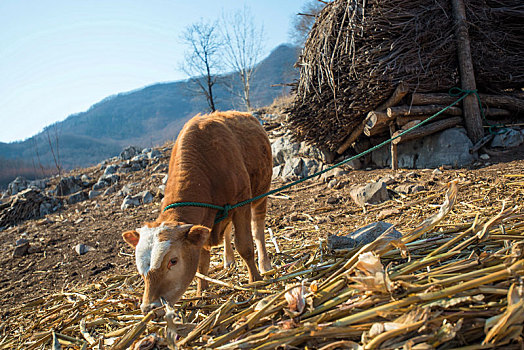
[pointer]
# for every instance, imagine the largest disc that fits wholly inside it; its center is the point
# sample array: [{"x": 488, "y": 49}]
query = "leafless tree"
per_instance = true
[
  {"x": 202, "y": 60},
  {"x": 243, "y": 46},
  {"x": 35, "y": 148},
  {"x": 55, "y": 149},
  {"x": 303, "y": 21}
]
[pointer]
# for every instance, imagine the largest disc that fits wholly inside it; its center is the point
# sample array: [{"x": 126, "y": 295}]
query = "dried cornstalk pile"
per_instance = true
[
  {"x": 358, "y": 52},
  {"x": 454, "y": 280}
]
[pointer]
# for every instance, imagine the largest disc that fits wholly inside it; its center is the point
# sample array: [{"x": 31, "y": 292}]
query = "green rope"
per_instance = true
[
  {"x": 455, "y": 91},
  {"x": 223, "y": 211}
]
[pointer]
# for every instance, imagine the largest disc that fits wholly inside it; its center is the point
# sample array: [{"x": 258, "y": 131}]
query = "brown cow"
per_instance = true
[{"x": 221, "y": 158}]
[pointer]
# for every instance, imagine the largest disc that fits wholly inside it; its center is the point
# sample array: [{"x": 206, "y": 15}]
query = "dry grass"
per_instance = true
[{"x": 454, "y": 280}]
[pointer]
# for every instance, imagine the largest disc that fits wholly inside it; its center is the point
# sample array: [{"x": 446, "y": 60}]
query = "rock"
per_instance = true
[
  {"x": 484, "y": 156},
  {"x": 130, "y": 201},
  {"x": 77, "y": 197},
  {"x": 437, "y": 171},
  {"x": 409, "y": 188},
  {"x": 450, "y": 147},
  {"x": 139, "y": 158},
  {"x": 17, "y": 185},
  {"x": 110, "y": 179},
  {"x": 337, "y": 184},
  {"x": 412, "y": 175},
  {"x": 332, "y": 200},
  {"x": 161, "y": 168},
  {"x": 387, "y": 212},
  {"x": 111, "y": 169},
  {"x": 162, "y": 189},
  {"x": 316, "y": 153},
  {"x": 283, "y": 149},
  {"x": 47, "y": 208},
  {"x": 81, "y": 249},
  {"x": 154, "y": 154},
  {"x": 92, "y": 194},
  {"x": 85, "y": 179},
  {"x": 276, "y": 171},
  {"x": 388, "y": 179},
  {"x": 145, "y": 197},
  {"x": 310, "y": 167},
  {"x": 373, "y": 193},
  {"x": 130, "y": 152},
  {"x": 135, "y": 164},
  {"x": 164, "y": 179},
  {"x": 21, "y": 248},
  {"x": 362, "y": 236},
  {"x": 100, "y": 185},
  {"x": 336, "y": 173},
  {"x": 293, "y": 167},
  {"x": 297, "y": 159},
  {"x": 68, "y": 185},
  {"x": 109, "y": 191},
  {"x": 146, "y": 150},
  {"x": 508, "y": 139},
  {"x": 125, "y": 190},
  {"x": 40, "y": 184}
]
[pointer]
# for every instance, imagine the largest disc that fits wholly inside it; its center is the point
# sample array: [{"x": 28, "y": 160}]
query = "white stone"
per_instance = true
[{"x": 484, "y": 156}]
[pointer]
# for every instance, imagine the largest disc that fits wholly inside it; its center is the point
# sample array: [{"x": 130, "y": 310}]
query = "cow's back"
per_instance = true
[{"x": 219, "y": 158}]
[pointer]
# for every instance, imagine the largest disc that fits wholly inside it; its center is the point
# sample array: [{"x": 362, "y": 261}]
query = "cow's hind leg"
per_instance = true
[
  {"x": 258, "y": 213},
  {"x": 229, "y": 254},
  {"x": 244, "y": 241}
]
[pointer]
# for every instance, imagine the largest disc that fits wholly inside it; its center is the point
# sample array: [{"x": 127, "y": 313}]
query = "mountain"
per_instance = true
[{"x": 144, "y": 117}]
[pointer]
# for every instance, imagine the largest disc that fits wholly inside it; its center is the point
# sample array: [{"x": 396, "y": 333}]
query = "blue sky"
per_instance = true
[{"x": 60, "y": 57}]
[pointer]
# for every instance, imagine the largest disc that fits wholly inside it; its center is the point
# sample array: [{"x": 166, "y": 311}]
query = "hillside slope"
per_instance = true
[{"x": 144, "y": 117}]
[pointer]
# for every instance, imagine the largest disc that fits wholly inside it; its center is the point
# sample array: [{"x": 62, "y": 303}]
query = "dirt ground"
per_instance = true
[{"x": 308, "y": 211}]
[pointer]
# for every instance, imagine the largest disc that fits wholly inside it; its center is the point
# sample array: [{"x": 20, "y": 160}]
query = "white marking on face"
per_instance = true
[{"x": 150, "y": 252}]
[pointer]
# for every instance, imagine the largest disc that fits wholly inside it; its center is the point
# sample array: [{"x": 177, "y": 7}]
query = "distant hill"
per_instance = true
[{"x": 144, "y": 117}]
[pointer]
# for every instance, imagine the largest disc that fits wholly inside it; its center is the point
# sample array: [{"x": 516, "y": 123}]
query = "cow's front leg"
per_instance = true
[
  {"x": 203, "y": 268},
  {"x": 244, "y": 241}
]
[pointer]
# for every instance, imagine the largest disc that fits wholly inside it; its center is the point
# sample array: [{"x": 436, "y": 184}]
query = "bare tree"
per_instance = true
[
  {"x": 35, "y": 148},
  {"x": 55, "y": 149},
  {"x": 203, "y": 62},
  {"x": 304, "y": 20},
  {"x": 243, "y": 46}
]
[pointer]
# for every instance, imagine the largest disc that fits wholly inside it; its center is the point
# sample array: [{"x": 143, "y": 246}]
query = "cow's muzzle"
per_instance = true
[{"x": 146, "y": 308}]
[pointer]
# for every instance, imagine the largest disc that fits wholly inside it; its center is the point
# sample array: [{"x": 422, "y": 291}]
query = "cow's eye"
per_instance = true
[{"x": 172, "y": 262}]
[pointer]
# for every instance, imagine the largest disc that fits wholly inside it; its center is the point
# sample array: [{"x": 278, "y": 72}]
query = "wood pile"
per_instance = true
[
  {"x": 402, "y": 111},
  {"x": 362, "y": 58}
]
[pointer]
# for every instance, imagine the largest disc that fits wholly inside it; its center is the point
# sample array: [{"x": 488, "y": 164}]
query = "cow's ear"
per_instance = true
[
  {"x": 198, "y": 235},
  {"x": 131, "y": 237}
]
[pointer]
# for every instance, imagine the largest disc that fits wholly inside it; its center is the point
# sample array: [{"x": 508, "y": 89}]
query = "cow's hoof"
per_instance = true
[{"x": 265, "y": 266}]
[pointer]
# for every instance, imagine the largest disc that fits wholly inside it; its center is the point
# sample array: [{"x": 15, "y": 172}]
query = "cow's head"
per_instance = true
[{"x": 167, "y": 258}]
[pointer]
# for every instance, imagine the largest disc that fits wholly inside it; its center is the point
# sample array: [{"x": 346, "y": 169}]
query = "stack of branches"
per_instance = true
[
  {"x": 496, "y": 33},
  {"x": 452, "y": 280},
  {"x": 358, "y": 52},
  {"x": 23, "y": 206}
]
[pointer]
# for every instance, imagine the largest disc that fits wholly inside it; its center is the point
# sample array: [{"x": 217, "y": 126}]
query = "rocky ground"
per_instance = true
[{"x": 79, "y": 241}]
